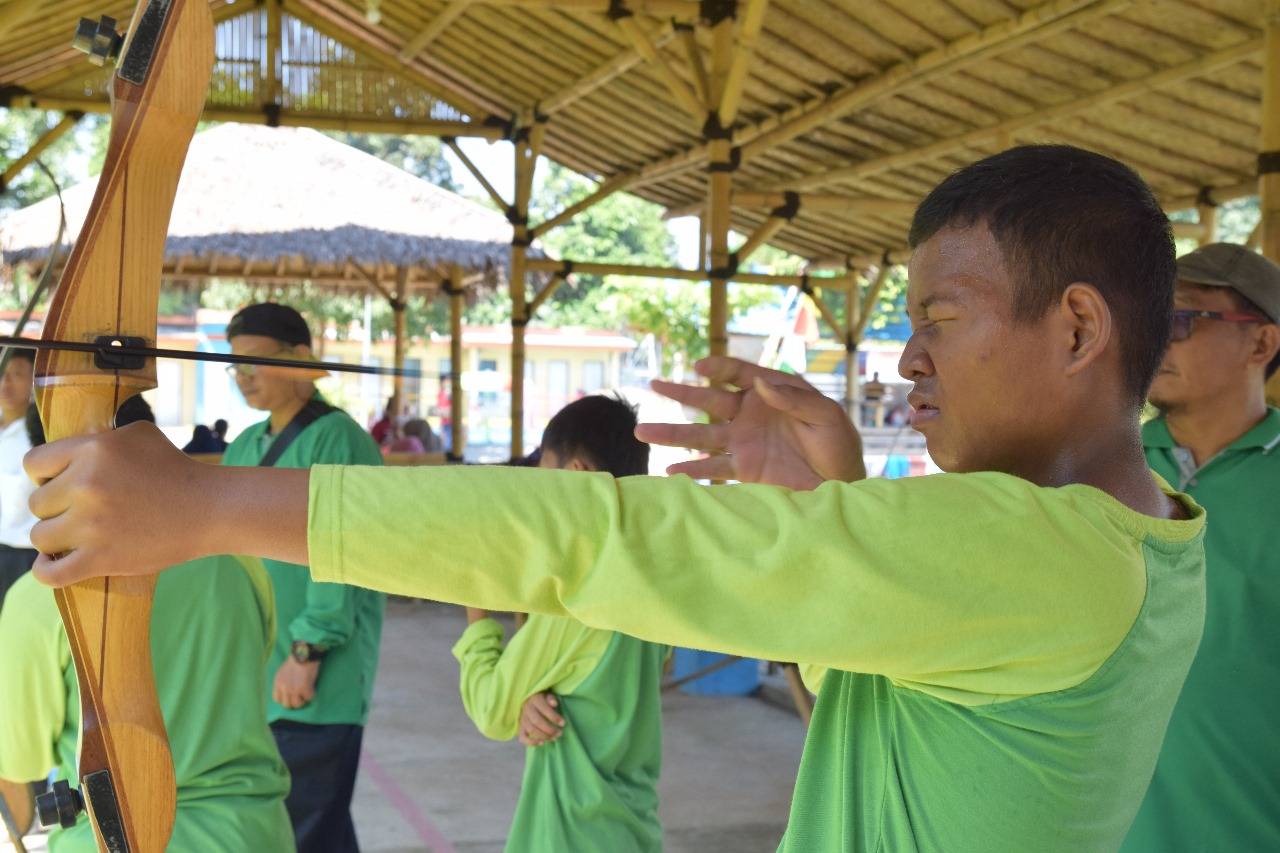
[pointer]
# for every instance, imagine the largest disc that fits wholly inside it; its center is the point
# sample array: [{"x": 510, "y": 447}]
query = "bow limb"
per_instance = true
[{"x": 110, "y": 287}]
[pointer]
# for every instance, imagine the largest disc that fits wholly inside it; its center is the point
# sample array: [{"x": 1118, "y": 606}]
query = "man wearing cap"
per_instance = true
[
  {"x": 322, "y": 666},
  {"x": 1216, "y": 785}
]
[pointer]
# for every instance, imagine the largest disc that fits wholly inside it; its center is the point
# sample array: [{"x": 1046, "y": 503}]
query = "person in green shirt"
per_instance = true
[
  {"x": 1217, "y": 783},
  {"x": 1002, "y": 644},
  {"x": 211, "y": 630},
  {"x": 594, "y": 787},
  {"x": 325, "y": 654}
]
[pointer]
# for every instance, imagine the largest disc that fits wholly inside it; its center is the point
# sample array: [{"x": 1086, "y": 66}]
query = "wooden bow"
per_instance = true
[{"x": 109, "y": 289}]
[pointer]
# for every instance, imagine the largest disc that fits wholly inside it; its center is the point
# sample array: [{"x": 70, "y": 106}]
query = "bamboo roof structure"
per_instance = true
[
  {"x": 290, "y": 204},
  {"x": 864, "y": 103}
]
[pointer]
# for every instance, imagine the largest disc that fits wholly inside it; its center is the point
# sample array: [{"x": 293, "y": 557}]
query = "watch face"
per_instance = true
[{"x": 301, "y": 652}]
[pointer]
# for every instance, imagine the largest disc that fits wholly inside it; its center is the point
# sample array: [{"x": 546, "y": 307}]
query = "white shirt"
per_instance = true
[{"x": 16, "y": 487}]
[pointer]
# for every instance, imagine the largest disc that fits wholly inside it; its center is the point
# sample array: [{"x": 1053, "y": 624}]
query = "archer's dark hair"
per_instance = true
[
  {"x": 1061, "y": 214},
  {"x": 24, "y": 353},
  {"x": 600, "y": 431}
]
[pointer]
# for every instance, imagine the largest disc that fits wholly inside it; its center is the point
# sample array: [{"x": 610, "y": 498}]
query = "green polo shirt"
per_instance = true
[
  {"x": 211, "y": 627},
  {"x": 1001, "y": 659},
  {"x": 595, "y": 788},
  {"x": 344, "y": 619},
  {"x": 1217, "y": 783}
]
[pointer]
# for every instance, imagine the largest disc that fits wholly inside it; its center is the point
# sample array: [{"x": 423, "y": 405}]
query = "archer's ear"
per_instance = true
[
  {"x": 1266, "y": 344},
  {"x": 1086, "y": 324},
  {"x": 576, "y": 464}
]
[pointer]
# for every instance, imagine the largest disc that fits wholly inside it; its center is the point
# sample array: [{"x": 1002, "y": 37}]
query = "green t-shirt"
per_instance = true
[
  {"x": 595, "y": 788},
  {"x": 211, "y": 627},
  {"x": 1007, "y": 656},
  {"x": 1217, "y": 784},
  {"x": 344, "y": 619}
]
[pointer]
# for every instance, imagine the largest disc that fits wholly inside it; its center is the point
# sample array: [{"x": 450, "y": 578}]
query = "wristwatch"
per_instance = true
[{"x": 304, "y": 652}]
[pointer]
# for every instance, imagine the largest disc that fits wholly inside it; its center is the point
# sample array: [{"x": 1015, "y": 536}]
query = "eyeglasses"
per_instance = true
[
  {"x": 1183, "y": 320},
  {"x": 237, "y": 371}
]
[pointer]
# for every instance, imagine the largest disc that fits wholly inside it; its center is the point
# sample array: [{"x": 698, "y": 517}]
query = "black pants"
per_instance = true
[
  {"x": 322, "y": 761},
  {"x": 14, "y": 563}
]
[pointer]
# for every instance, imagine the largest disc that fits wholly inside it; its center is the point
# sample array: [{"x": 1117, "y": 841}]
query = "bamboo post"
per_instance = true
[
  {"x": 1207, "y": 212},
  {"x": 38, "y": 147},
  {"x": 719, "y": 184},
  {"x": 398, "y": 306},
  {"x": 271, "y": 72},
  {"x": 1269, "y": 155},
  {"x": 457, "y": 404},
  {"x": 526, "y": 154},
  {"x": 852, "y": 309}
]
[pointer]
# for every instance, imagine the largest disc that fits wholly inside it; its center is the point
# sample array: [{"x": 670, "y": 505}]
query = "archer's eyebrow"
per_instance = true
[{"x": 924, "y": 304}]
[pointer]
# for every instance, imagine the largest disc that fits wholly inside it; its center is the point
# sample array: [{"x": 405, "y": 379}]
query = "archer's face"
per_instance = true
[
  {"x": 983, "y": 396},
  {"x": 267, "y": 388},
  {"x": 1214, "y": 362},
  {"x": 15, "y": 386}
]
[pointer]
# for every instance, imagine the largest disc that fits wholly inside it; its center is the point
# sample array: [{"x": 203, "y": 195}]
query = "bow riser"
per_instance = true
[{"x": 111, "y": 286}]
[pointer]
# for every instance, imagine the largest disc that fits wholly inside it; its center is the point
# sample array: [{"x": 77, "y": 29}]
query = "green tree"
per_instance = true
[{"x": 71, "y": 158}]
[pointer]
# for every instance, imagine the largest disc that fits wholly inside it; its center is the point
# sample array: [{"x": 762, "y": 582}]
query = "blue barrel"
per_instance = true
[{"x": 739, "y": 678}]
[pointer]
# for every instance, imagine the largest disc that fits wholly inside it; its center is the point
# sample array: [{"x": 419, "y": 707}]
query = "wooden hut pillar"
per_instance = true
[
  {"x": 852, "y": 325},
  {"x": 1208, "y": 216},
  {"x": 721, "y": 165},
  {"x": 398, "y": 306},
  {"x": 1269, "y": 153},
  {"x": 457, "y": 405},
  {"x": 528, "y": 143}
]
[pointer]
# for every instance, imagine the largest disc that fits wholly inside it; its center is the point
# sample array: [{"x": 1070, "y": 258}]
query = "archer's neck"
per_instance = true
[
  {"x": 1207, "y": 428},
  {"x": 281, "y": 416}
]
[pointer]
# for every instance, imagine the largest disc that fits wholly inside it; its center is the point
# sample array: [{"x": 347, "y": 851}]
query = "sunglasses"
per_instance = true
[{"x": 1184, "y": 320}]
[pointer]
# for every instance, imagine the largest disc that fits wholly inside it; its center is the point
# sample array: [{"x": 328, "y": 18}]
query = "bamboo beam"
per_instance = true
[
  {"x": 602, "y": 191},
  {"x": 983, "y": 135},
  {"x": 1038, "y": 23},
  {"x": 414, "y": 46},
  {"x": 457, "y": 404},
  {"x": 555, "y": 266},
  {"x": 547, "y": 291},
  {"x": 679, "y": 90},
  {"x": 743, "y": 51},
  {"x": 827, "y": 202},
  {"x": 38, "y": 147},
  {"x": 496, "y": 197},
  {"x": 683, "y": 9},
  {"x": 1213, "y": 195},
  {"x": 1269, "y": 154},
  {"x": 1208, "y": 223},
  {"x": 693, "y": 55},
  {"x": 374, "y": 282},
  {"x": 1188, "y": 230},
  {"x": 342, "y": 22},
  {"x": 15, "y": 13},
  {"x": 869, "y": 299},
  {"x": 602, "y": 74},
  {"x": 287, "y": 118},
  {"x": 766, "y": 232},
  {"x": 824, "y": 310}
]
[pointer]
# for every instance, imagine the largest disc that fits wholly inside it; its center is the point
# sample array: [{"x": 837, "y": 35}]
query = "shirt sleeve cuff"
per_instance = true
[{"x": 485, "y": 630}]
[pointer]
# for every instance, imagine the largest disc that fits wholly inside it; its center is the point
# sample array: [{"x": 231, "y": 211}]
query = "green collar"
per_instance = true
[{"x": 1265, "y": 434}]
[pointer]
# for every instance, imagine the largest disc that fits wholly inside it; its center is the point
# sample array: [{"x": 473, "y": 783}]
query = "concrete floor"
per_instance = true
[{"x": 430, "y": 782}]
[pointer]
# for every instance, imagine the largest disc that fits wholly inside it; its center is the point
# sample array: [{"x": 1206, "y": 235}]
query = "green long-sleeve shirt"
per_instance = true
[
  {"x": 211, "y": 628},
  {"x": 1002, "y": 658},
  {"x": 595, "y": 788},
  {"x": 1217, "y": 783},
  {"x": 344, "y": 619}
]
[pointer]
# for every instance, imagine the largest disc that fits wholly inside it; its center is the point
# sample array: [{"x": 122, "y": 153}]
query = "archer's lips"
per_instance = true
[{"x": 922, "y": 410}]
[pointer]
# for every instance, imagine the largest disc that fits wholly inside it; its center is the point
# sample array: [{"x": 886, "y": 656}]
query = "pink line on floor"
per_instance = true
[{"x": 427, "y": 831}]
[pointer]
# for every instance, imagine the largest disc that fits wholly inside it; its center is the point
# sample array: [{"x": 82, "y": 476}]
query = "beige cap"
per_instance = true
[{"x": 1238, "y": 267}]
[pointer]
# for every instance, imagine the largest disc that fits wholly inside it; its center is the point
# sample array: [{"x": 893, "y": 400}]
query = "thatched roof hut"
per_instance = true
[{"x": 288, "y": 204}]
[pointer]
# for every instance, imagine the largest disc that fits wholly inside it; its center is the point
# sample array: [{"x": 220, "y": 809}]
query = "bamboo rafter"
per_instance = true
[{"x": 414, "y": 46}]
